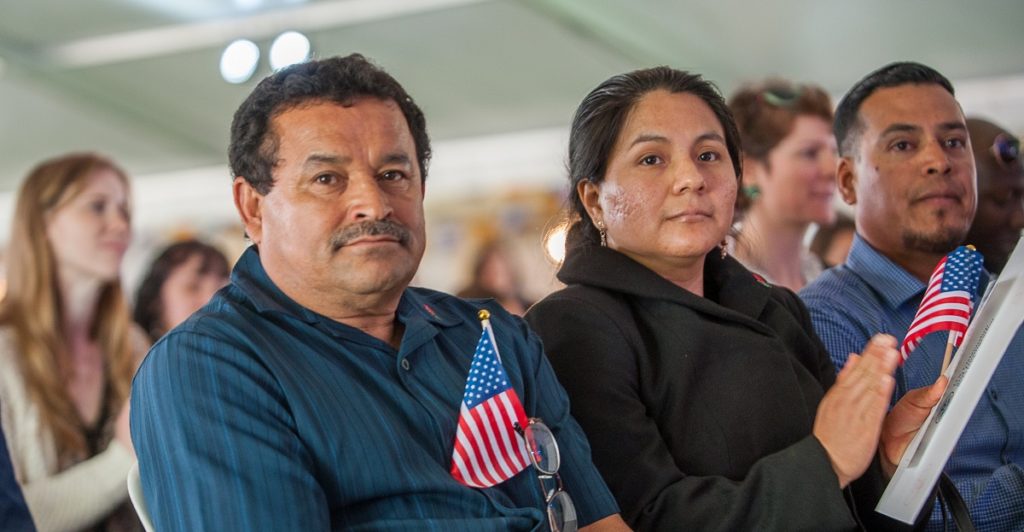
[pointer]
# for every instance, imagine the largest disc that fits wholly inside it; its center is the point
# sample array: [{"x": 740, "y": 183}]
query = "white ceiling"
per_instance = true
[{"x": 138, "y": 79}]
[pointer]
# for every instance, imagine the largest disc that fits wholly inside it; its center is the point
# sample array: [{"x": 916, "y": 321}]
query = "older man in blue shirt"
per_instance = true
[
  {"x": 318, "y": 390},
  {"x": 906, "y": 167}
]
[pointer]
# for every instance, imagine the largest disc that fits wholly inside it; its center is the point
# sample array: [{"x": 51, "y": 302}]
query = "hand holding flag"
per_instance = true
[
  {"x": 487, "y": 449},
  {"x": 948, "y": 301}
]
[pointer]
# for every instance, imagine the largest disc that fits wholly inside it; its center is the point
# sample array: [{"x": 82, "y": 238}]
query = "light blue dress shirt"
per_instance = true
[{"x": 870, "y": 294}]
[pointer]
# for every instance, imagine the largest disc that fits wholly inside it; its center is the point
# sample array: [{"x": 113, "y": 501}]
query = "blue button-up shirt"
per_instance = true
[
  {"x": 870, "y": 294},
  {"x": 259, "y": 414}
]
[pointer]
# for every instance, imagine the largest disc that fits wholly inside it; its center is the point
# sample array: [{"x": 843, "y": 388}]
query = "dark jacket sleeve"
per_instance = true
[
  {"x": 793, "y": 489},
  {"x": 13, "y": 512}
]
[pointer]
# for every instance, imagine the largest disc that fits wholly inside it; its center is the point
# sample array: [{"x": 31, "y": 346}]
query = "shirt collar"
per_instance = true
[
  {"x": 252, "y": 279},
  {"x": 892, "y": 283},
  {"x": 415, "y": 304}
]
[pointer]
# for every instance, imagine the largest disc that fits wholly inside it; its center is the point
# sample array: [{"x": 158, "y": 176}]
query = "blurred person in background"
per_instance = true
[
  {"x": 789, "y": 178},
  {"x": 68, "y": 348},
  {"x": 831, "y": 243},
  {"x": 999, "y": 219},
  {"x": 495, "y": 276},
  {"x": 182, "y": 278}
]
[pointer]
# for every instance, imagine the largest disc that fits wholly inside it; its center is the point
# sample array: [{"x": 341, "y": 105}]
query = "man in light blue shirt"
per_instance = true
[{"x": 906, "y": 167}]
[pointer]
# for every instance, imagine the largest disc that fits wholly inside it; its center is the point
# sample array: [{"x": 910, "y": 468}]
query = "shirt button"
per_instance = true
[{"x": 405, "y": 364}]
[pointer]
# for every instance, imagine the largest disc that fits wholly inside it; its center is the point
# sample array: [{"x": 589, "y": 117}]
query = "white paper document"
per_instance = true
[{"x": 995, "y": 323}]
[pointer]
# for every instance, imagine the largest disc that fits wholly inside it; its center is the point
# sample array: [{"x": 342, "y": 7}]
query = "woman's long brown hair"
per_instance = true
[{"x": 33, "y": 306}]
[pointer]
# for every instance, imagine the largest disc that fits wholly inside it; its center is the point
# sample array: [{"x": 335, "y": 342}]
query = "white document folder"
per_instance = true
[{"x": 995, "y": 323}]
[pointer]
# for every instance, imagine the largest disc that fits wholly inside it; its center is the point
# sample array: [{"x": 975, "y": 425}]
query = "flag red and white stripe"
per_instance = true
[
  {"x": 488, "y": 451},
  {"x": 948, "y": 301}
]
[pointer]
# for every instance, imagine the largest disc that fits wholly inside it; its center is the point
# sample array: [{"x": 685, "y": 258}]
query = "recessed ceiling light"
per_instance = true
[
  {"x": 261, "y": 23},
  {"x": 239, "y": 61},
  {"x": 288, "y": 48}
]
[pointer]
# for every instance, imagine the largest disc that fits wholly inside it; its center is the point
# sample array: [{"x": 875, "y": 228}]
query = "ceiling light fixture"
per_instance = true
[
  {"x": 239, "y": 61},
  {"x": 288, "y": 48},
  {"x": 179, "y": 38}
]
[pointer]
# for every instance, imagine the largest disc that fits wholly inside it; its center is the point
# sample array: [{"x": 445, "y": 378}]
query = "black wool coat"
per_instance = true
[{"x": 699, "y": 410}]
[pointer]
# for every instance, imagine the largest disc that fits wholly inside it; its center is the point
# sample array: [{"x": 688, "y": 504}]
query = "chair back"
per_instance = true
[{"x": 135, "y": 494}]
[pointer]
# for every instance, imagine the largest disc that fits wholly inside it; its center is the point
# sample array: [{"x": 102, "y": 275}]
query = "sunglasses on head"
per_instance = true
[
  {"x": 781, "y": 96},
  {"x": 1006, "y": 149}
]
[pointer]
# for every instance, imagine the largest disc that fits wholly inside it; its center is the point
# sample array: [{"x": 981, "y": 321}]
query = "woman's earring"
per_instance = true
[
  {"x": 752, "y": 192},
  {"x": 604, "y": 234},
  {"x": 724, "y": 248}
]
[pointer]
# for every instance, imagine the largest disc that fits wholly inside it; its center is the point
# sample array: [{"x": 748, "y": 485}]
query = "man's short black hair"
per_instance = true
[
  {"x": 847, "y": 125},
  {"x": 253, "y": 150}
]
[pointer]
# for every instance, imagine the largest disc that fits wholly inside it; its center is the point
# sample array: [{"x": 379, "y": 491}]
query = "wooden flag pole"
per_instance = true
[{"x": 949, "y": 353}]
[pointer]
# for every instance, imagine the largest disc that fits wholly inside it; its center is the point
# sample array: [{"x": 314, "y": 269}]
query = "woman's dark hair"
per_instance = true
[
  {"x": 601, "y": 115},
  {"x": 148, "y": 301},
  {"x": 253, "y": 150}
]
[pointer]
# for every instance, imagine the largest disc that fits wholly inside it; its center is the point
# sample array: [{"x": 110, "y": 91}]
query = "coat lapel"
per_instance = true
[{"x": 743, "y": 299}]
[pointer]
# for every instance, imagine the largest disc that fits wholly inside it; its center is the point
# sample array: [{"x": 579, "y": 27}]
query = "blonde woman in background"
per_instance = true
[
  {"x": 68, "y": 348},
  {"x": 789, "y": 178}
]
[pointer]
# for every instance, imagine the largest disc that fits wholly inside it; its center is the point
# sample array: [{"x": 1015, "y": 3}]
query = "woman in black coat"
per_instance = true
[{"x": 708, "y": 400}]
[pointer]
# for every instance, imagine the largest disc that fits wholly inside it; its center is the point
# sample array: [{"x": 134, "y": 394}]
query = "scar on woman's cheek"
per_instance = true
[{"x": 620, "y": 205}]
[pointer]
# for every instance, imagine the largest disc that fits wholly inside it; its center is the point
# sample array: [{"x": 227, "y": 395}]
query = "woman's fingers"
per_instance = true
[{"x": 850, "y": 416}]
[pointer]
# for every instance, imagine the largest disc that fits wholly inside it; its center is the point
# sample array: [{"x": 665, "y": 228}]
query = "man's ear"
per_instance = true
[
  {"x": 589, "y": 193},
  {"x": 249, "y": 204},
  {"x": 846, "y": 180}
]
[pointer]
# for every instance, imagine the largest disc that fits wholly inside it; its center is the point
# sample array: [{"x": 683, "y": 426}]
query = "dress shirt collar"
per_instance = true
[
  {"x": 894, "y": 285},
  {"x": 251, "y": 278}
]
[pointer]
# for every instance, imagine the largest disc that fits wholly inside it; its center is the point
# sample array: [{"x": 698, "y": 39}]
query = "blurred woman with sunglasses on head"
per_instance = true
[
  {"x": 68, "y": 348},
  {"x": 708, "y": 401},
  {"x": 789, "y": 178}
]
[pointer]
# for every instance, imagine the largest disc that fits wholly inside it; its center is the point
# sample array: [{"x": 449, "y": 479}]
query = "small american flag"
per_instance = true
[
  {"x": 487, "y": 449},
  {"x": 948, "y": 301}
]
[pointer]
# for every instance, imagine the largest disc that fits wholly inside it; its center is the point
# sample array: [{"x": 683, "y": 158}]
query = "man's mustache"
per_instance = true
[{"x": 371, "y": 228}]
